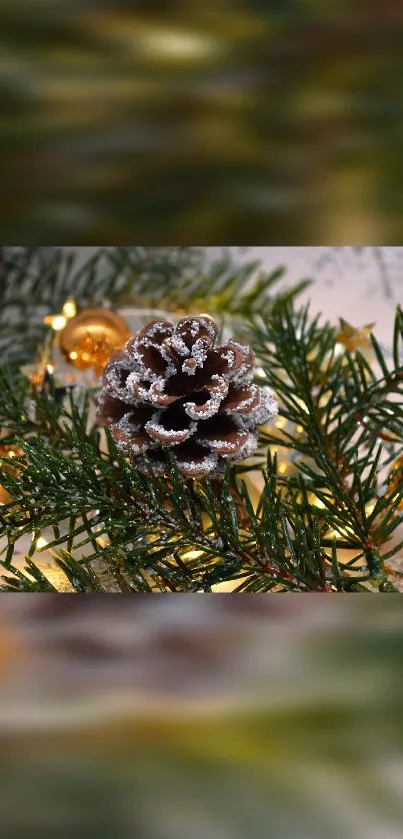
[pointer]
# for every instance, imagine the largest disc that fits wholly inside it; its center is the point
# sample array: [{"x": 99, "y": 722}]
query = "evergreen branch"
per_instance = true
[
  {"x": 37, "y": 282},
  {"x": 116, "y": 528}
]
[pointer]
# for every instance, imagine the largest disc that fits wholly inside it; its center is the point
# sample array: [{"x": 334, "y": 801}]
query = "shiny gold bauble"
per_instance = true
[
  {"x": 89, "y": 338},
  {"x": 395, "y": 479}
]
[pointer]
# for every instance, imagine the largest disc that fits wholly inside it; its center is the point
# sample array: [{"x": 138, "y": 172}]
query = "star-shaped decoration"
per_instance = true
[{"x": 353, "y": 338}]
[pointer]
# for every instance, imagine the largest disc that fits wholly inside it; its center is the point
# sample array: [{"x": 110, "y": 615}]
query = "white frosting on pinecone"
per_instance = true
[{"x": 171, "y": 388}]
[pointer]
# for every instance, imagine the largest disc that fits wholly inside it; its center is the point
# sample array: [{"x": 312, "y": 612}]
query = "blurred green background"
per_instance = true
[
  {"x": 241, "y": 122},
  {"x": 186, "y": 717}
]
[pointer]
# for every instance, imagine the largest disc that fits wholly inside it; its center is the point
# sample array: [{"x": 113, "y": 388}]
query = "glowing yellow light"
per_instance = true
[
  {"x": 11, "y": 453},
  {"x": 73, "y": 355},
  {"x": 57, "y": 322},
  {"x": 319, "y": 503},
  {"x": 69, "y": 309},
  {"x": 281, "y": 422},
  {"x": 41, "y": 543},
  {"x": 191, "y": 554},
  {"x": 102, "y": 542},
  {"x": 50, "y": 368},
  {"x": 370, "y": 507},
  {"x": 299, "y": 429},
  {"x": 282, "y": 467}
]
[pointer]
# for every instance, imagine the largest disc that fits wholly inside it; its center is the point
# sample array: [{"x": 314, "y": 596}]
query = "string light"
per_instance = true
[
  {"x": 69, "y": 309},
  {"x": 41, "y": 543},
  {"x": 281, "y": 422},
  {"x": 58, "y": 322},
  {"x": 339, "y": 349}
]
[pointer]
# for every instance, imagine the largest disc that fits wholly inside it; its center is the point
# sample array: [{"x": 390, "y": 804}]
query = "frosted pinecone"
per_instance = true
[{"x": 171, "y": 388}]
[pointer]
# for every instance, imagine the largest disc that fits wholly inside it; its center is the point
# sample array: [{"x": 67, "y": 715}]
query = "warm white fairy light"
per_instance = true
[
  {"x": 339, "y": 349},
  {"x": 281, "y": 422},
  {"x": 40, "y": 543},
  {"x": 69, "y": 309},
  {"x": 57, "y": 322}
]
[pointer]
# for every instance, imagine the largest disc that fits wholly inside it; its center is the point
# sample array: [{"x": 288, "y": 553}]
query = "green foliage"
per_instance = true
[
  {"x": 35, "y": 282},
  {"x": 115, "y": 529}
]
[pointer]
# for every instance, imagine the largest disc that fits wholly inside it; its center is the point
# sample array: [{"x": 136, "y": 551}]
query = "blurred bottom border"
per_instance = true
[{"x": 185, "y": 716}]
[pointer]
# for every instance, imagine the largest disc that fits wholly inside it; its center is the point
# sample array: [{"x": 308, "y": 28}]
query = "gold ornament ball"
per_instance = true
[{"x": 90, "y": 338}]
